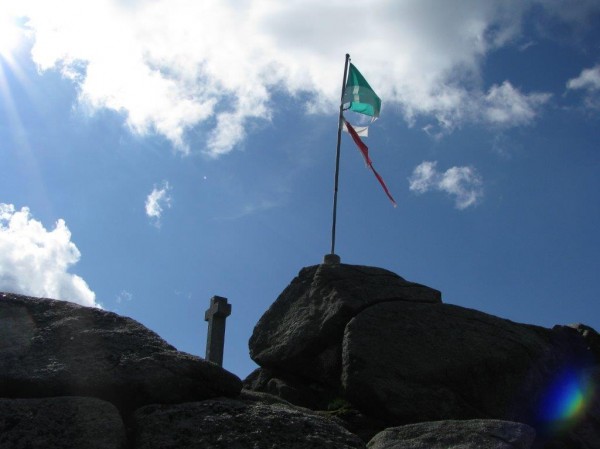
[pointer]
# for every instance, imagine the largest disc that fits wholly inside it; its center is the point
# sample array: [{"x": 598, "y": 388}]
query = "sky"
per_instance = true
[{"x": 156, "y": 153}]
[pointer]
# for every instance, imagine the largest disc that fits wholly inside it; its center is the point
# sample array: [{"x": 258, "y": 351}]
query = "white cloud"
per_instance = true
[
  {"x": 506, "y": 105},
  {"x": 424, "y": 177},
  {"x": 156, "y": 201},
  {"x": 124, "y": 296},
  {"x": 35, "y": 261},
  {"x": 589, "y": 82},
  {"x": 170, "y": 66},
  {"x": 588, "y": 79},
  {"x": 463, "y": 183}
]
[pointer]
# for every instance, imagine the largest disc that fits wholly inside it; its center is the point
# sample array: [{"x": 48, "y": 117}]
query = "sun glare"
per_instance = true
[{"x": 10, "y": 35}]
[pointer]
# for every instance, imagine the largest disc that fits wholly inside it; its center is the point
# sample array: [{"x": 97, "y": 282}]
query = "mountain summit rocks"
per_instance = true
[
  {"x": 350, "y": 357},
  {"x": 303, "y": 330},
  {"x": 388, "y": 352},
  {"x": 74, "y": 377},
  {"x": 57, "y": 348}
]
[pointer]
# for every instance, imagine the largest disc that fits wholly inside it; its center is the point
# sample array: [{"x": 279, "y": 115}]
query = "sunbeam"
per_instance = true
[{"x": 11, "y": 34}]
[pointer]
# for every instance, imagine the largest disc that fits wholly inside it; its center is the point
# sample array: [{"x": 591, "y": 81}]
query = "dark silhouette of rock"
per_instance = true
[
  {"x": 394, "y": 354},
  {"x": 425, "y": 362},
  {"x": 57, "y": 348},
  {"x": 237, "y": 424},
  {"x": 361, "y": 347},
  {"x": 60, "y": 423},
  {"x": 472, "y": 434},
  {"x": 302, "y": 331},
  {"x": 591, "y": 337}
]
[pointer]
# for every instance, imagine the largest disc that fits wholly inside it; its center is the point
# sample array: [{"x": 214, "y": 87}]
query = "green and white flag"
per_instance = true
[{"x": 358, "y": 95}]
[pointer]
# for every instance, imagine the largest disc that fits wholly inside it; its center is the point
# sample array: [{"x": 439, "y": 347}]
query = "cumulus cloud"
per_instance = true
[
  {"x": 35, "y": 261},
  {"x": 156, "y": 201},
  {"x": 588, "y": 81},
  {"x": 170, "y": 66},
  {"x": 505, "y": 105},
  {"x": 463, "y": 183}
]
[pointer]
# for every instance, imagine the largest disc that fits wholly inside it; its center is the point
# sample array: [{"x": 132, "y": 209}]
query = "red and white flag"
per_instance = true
[{"x": 365, "y": 152}]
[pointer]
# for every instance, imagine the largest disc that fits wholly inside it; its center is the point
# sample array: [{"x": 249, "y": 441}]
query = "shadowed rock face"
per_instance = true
[
  {"x": 391, "y": 351},
  {"x": 52, "y": 351},
  {"x": 63, "y": 422},
  {"x": 55, "y": 348},
  {"x": 363, "y": 346},
  {"x": 237, "y": 423},
  {"x": 302, "y": 331},
  {"x": 473, "y": 434},
  {"x": 426, "y": 362}
]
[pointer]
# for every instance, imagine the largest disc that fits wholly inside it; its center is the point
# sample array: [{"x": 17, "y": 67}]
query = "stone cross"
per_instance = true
[{"x": 217, "y": 313}]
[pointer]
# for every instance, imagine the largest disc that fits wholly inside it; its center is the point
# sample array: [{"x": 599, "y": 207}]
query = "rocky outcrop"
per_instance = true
[
  {"x": 374, "y": 357},
  {"x": 78, "y": 377},
  {"x": 426, "y": 362},
  {"x": 303, "y": 330},
  {"x": 56, "y": 348},
  {"x": 473, "y": 434},
  {"x": 393, "y": 354}
]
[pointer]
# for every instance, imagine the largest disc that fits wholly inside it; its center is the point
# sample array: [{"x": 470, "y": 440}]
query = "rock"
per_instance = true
[
  {"x": 364, "y": 347},
  {"x": 302, "y": 331},
  {"x": 409, "y": 362},
  {"x": 259, "y": 396},
  {"x": 394, "y": 354},
  {"x": 237, "y": 424},
  {"x": 312, "y": 396},
  {"x": 361, "y": 425},
  {"x": 472, "y": 434},
  {"x": 293, "y": 389},
  {"x": 60, "y": 423},
  {"x": 591, "y": 337},
  {"x": 56, "y": 348}
]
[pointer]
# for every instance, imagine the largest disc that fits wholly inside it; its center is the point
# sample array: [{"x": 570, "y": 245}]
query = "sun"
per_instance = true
[{"x": 10, "y": 35}]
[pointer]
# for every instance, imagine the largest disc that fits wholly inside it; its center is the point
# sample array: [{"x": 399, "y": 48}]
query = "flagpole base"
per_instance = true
[{"x": 331, "y": 259}]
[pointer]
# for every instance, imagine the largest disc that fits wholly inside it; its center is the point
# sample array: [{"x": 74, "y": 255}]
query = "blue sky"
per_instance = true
[{"x": 156, "y": 153}]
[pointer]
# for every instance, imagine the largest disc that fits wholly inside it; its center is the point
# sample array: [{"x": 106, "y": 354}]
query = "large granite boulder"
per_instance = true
[
  {"x": 56, "y": 348},
  {"x": 392, "y": 354},
  {"x": 472, "y": 434},
  {"x": 414, "y": 362},
  {"x": 60, "y": 423},
  {"x": 237, "y": 423},
  {"x": 302, "y": 331}
]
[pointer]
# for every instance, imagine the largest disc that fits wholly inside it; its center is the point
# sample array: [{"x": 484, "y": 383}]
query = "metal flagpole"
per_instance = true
[{"x": 337, "y": 162}]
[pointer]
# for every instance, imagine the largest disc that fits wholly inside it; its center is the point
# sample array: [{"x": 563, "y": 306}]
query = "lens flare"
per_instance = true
[{"x": 566, "y": 400}]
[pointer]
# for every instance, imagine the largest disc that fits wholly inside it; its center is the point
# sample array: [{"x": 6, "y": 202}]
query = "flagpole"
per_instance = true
[{"x": 337, "y": 160}]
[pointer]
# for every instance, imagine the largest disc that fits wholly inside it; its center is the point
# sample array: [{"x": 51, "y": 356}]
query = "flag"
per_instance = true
[
  {"x": 361, "y": 98},
  {"x": 362, "y": 131},
  {"x": 358, "y": 95},
  {"x": 365, "y": 152}
]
